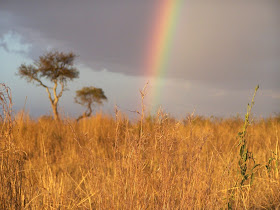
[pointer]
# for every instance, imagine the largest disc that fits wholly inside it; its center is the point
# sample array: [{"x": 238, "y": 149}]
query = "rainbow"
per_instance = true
[{"x": 159, "y": 46}]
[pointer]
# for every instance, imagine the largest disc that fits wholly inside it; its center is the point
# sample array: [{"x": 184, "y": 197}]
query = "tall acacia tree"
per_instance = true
[
  {"x": 56, "y": 67},
  {"x": 88, "y": 96}
]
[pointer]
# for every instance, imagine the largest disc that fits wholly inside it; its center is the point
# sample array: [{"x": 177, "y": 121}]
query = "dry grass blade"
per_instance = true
[{"x": 108, "y": 162}]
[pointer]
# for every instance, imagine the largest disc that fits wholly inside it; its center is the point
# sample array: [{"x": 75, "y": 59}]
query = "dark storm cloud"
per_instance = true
[
  {"x": 225, "y": 44},
  {"x": 101, "y": 31}
]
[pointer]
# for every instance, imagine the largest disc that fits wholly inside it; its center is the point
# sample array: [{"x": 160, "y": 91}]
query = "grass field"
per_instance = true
[{"x": 107, "y": 162}]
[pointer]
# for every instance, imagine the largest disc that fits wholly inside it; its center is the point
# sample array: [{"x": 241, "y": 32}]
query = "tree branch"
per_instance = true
[
  {"x": 40, "y": 82},
  {"x": 46, "y": 87},
  {"x": 87, "y": 113},
  {"x": 89, "y": 109},
  {"x": 54, "y": 92},
  {"x": 49, "y": 94},
  {"x": 62, "y": 89}
]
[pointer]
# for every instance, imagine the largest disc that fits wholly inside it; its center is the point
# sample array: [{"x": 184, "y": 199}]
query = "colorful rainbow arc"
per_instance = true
[{"x": 160, "y": 44}]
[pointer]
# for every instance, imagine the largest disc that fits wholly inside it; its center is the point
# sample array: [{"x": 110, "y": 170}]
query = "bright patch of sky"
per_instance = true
[{"x": 13, "y": 42}]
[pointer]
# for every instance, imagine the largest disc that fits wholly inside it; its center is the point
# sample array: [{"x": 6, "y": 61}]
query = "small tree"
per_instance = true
[
  {"x": 88, "y": 96},
  {"x": 58, "y": 68}
]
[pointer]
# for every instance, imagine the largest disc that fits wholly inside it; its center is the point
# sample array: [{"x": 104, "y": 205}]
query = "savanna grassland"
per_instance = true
[{"x": 109, "y": 162}]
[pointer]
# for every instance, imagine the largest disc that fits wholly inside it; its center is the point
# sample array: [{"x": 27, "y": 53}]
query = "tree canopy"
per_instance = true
[
  {"x": 88, "y": 96},
  {"x": 53, "y": 66}
]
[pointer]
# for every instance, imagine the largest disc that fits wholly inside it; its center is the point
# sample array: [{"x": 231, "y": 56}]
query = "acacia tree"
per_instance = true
[
  {"x": 88, "y": 96},
  {"x": 56, "y": 67}
]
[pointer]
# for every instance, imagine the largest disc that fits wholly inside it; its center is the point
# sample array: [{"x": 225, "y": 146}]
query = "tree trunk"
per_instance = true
[
  {"x": 55, "y": 112},
  {"x": 55, "y": 101},
  {"x": 86, "y": 113}
]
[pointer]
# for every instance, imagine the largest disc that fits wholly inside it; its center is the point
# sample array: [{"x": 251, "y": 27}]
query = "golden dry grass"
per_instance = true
[{"x": 108, "y": 163}]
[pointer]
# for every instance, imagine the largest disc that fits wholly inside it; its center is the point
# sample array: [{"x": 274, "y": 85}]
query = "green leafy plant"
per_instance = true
[
  {"x": 245, "y": 155},
  {"x": 273, "y": 160},
  {"x": 273, "y": 163}
]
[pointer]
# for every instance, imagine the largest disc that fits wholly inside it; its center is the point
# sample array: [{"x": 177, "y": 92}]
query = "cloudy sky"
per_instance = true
[{"x": 220, "y": 51}]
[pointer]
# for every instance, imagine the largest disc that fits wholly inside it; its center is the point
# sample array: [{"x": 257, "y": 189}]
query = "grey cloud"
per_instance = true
[
  {"x": 224, "y": 44},
  {"x": 13, "y": 43},
  {"x": 4, "y": 45},
  {"x": 101, "y": 32}
]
